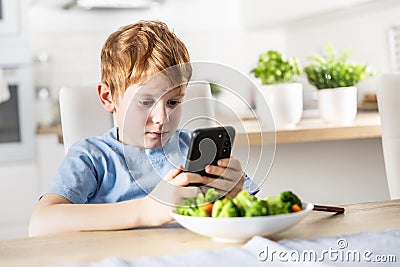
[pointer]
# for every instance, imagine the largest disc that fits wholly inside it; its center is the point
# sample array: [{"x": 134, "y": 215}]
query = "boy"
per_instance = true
[{"x": 113, "y": 181}]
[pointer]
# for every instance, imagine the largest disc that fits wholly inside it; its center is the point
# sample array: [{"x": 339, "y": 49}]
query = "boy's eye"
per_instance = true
[
  {"x": 146, "y": 102},
  {"x": 174, "y": 102}
]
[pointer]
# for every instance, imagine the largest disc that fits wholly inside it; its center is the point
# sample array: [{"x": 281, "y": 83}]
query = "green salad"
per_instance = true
[{"x": 211, "y": 204}]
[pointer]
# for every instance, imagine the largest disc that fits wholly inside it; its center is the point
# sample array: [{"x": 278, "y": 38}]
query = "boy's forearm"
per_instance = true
[{"x": 59, "y": 218}]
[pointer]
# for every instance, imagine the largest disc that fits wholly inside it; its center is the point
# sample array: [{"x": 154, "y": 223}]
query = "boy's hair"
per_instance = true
[{"x": 136, "y": 51}]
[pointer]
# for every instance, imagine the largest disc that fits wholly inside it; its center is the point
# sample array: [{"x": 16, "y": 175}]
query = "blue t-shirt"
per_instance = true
[{"x": 103, "y": 170}]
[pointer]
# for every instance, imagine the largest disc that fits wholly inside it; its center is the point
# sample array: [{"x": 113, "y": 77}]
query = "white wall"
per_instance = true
[
  {"x": 331, "y": 172},
  {"x": 362, "y": 29},
  {"x": 22, "y": 184},
  {"x": 212, "y": 31}
]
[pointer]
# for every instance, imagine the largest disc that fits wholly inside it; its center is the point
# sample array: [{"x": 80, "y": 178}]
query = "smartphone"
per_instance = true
[{"x": 208, "y": 145}]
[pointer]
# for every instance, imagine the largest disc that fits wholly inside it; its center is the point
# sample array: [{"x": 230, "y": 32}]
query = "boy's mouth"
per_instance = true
[{"x": 157, "y": 134}]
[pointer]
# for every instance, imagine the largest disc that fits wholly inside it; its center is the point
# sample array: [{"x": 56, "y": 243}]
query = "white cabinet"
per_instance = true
[
  {"x": 20, "y": 189},
  {"x": 50, "y": 155},
  {"x": 22, "y": 183}
]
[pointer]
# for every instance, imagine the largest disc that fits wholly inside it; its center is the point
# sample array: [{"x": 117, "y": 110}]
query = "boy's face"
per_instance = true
[{"x": 148, "y": 115}]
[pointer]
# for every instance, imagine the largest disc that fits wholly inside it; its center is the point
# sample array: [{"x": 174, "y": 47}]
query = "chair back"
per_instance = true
[
  {"x": 388, "y": 95},
  {"x": 198, "y": 106},
  {"x": 82, "y": 115}
]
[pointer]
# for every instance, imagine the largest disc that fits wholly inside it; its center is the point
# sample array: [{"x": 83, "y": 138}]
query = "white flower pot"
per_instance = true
[
  {"x": 285, "y": 102},
  {"x": 338, "y": 105}
]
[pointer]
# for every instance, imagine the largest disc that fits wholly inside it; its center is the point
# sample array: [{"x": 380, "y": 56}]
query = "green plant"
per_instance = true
[
  {"x": 215, "y": 89},
  {"x": 273, "y": 68},
  {"x": 331, "y": 70}
]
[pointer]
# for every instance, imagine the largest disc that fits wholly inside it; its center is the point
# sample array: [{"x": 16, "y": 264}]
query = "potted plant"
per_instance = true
[
  {"x": 335, "y": 78},
  {"x": 279, "y": 89}
]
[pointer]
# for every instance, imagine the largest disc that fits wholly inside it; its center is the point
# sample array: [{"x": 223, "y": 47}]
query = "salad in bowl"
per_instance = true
[{"x": 242, "y": 217}]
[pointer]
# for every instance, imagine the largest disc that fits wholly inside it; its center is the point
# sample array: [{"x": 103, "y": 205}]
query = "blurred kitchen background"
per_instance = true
[{"x": 49, "y": 44}]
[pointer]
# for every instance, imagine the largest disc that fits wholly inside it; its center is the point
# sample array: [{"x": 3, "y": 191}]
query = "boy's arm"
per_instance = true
[{"x": 55, "y": 214}]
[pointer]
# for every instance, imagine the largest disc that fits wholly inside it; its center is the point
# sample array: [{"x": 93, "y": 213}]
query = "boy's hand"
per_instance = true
[
  {"x": 179, "y": 178},
  {"x": 231, "y": 173},
  {"x": 172, "y": 191}
]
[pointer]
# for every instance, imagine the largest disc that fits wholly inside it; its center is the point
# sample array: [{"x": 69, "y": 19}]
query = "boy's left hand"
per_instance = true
[{"x": 231, "y": 175}]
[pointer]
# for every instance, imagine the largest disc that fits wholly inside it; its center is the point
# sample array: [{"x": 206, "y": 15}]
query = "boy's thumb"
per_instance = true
[{"x": 173, "y": 173}]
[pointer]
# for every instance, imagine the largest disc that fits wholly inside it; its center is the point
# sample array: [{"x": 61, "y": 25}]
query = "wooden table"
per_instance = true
[{"x": 87, "y": 247}]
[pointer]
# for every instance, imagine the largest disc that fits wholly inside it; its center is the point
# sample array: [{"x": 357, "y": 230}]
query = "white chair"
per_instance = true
[
  {"x": 82, "y": 115},
  {"x": 389, "y": 109},
  {"x": 197, "y": 106}
]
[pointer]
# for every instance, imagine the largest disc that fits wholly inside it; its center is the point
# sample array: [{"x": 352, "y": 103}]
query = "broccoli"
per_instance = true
[
  {"x": 243, "y": 205},
  {"x": 197, "y": 206},
  {"x": 216, "y": 210},
  {"x": 250, "y": 206},
  {"x": 258, "y": 208},
  {"x": 283, "y": 203},
  {"x": 211, "y": 195},
  {"x": 276, "y": 206},
  {"x": 199, "y": 212},
  {"x": 291, "y": 198},
  {"x": 225, "y": 208},
  {"x": 188, "y": 207}
]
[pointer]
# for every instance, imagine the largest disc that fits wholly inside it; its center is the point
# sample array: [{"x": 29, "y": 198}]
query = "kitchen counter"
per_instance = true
[
  {"x": 53, "y": 129},
  {"x": 310, "y": 129},
  {"x": 84, "y": 247}
]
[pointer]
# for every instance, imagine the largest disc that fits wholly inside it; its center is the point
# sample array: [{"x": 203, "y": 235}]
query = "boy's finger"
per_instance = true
[
  {"x": 227, "y": 173},
  {"x": 222, "y": 184},
  {"x": 230, "y": 187},
  {"x": 173, "y": 173},
  {"x": 230, "y": 163},
  {"x": 189, "y": 178}
]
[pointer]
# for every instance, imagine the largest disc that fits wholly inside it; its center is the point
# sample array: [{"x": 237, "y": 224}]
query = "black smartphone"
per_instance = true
[{"x": 208, "y": 145}]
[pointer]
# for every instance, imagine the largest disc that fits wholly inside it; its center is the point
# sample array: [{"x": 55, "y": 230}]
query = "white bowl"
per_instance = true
[{"x": 240, "y": 229}]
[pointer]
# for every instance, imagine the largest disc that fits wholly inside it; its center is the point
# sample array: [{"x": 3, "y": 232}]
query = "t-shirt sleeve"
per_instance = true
[
  {"x": 250, "y": 186},
  {"x": 76, "y": 177}
]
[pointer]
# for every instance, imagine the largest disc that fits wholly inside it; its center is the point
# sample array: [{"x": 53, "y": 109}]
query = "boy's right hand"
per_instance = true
[{"x": 171, "y": 191}]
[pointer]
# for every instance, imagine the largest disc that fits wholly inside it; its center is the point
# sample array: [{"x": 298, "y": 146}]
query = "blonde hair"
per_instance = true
[{"x": 137, "y": 50}]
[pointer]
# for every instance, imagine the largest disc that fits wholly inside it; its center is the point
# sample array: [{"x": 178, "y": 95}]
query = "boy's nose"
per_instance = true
[{"x": 159, "y": 113}]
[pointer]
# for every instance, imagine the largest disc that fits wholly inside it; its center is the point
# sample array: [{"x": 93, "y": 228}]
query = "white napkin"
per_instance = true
[
  {"x": 369, "y": 245},
  {"x": 373, "y": 248},
  {"x": 4, "y": 91}
]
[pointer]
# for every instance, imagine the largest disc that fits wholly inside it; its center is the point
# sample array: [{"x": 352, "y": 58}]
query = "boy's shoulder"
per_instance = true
[
  {"x": 108, "y": 142},
  {"x": 184, "y": 135},
  {"x": 95, "y": 144}
]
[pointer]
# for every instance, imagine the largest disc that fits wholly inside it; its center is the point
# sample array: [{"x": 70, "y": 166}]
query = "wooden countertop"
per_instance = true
[
  {"x": 85, "y": 247},
  {"x": 310, "y": 129}
]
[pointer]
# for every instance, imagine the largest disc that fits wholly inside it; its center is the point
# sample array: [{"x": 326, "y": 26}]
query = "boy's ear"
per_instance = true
[{"x": 105, "y": 96}]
